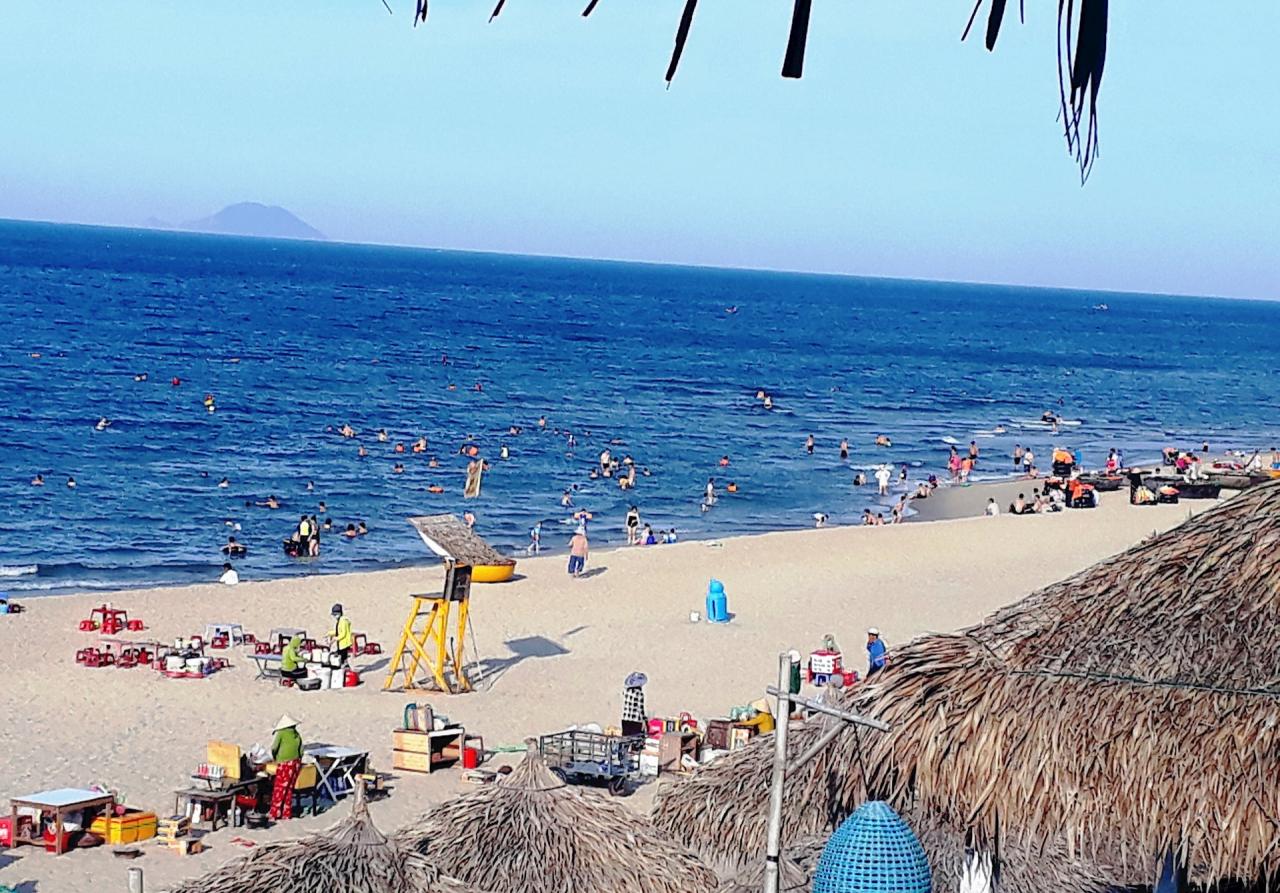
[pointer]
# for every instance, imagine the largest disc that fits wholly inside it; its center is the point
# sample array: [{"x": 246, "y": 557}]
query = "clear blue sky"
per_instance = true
[{"x": 901, "y": 153}]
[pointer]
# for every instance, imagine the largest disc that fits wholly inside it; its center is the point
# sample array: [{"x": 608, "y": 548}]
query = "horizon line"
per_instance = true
[{"x": 731, "y": 268}]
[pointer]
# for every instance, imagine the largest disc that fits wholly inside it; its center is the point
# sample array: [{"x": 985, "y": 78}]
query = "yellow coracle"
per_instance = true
[{"x": 492, "y": 573}]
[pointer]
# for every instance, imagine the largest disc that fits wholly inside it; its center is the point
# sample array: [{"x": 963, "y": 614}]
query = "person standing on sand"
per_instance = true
[
  {"x": 579, "y": 548},
  {"x": 633, "y": 525},
  {"x": 286, "y": 753},
  {"x": 877, "y": 655},
  {"x": 882, "y": 478}
]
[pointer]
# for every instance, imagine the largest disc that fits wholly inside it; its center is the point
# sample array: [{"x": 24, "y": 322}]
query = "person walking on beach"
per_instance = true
[
  {"x": 579, "y": 548},
  {"x": 286, "y": 753},
  {"x": 882, "y": 478},
  {"x": 1017, "y": 456}
]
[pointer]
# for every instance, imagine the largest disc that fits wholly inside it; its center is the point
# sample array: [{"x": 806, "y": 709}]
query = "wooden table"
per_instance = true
[
  {"x": 218, "y": 795},
  {"x": 59, "y": 802}
]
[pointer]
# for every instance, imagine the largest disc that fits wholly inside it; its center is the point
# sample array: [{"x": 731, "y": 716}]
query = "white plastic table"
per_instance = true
[
  {"x": 336, "y": 763},
  {"x": 233, "y": 631},
  {"x": 59, "y": 802}
]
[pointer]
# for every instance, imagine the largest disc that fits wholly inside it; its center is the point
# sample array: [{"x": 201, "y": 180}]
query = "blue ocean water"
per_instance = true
[{"x": 295, "y": 339}]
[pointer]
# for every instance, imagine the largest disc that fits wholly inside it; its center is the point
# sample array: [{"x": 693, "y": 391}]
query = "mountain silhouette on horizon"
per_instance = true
[{"x": 255, "y": 219}]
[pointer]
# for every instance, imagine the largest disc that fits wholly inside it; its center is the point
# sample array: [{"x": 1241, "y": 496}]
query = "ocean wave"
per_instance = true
[{"x": 19, "y": 570}]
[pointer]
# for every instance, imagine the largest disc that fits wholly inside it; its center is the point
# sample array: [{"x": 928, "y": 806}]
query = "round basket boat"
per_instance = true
[{"x": 493, "y": 573}]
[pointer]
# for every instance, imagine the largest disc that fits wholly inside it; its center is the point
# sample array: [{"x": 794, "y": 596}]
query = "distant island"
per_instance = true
[{"x": 247, "y": 219}]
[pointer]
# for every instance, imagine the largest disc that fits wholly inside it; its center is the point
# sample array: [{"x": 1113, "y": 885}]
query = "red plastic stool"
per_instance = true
[
  {"x": 219, "y": 642},
  {"x": 261, "y": 647},
  {"x": 93, "y": 659},
  {"x": 127, "y": 662},
  {"x": 220, "y": 663},
  {"x": 248, "y": 639},
  {"x": 88, "y": 626},
  {"x": 135, "y": 626},
  {"x": 111, "y": 627},
  {"x": 373, "y": 648},
  {"x": 309, "y": 644},
  {"x": 82, "y": 656},
  {"x": 358, "y": 643}
]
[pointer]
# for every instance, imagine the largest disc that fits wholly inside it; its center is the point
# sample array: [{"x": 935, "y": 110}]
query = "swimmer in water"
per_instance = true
[
  {"x": 542, "y": 421},
  {"x": 998, "y": 429},
  {"x": 37, "y": 481},
  {"x": 362, "y": 452},
  {"x": 346, "y": 430},
  {"x": 566, "y": 499},
  {"x": 808, "y": 444},
  {"x": 420, "y": 445},
  {"x": 732, "y": 487},
  {"x": 820, "y": 519},
  {"x": 593, "y": 474},
  {"x": 397, "y": 469},
  {"x": 844, "y": 448},
  {"x": 451, "y": 387},
  {"x": 504, "y": 452},
  {"x": 175, "y": 381},
  {"x": 882, "y": 440},
  {"x": 71, "y": 483},
  {"x": 760, "y": 395},
  {"x": 724, "y": 461},
  {"x": 399, "y": 448},
  {"x": 224, "y": 483},
  {"x": 859, "y": 479},
  {"x": 141, "y": 376},
  {"x": 311, "y": 485},
  {"x": 433, "y": 462},
  {"x": 350, "y": 532},
  {"x": 271, "y": 503},
  {"x": 710, "y": 497},
  {"x": 768, "y": 402},
  {"x": 362, "y": 528},
  {"x": 233, "y": 549},
  {"x": 382, "y": 435},
  {"x": 322, "y": 506},
  {"x": 103, "y": 424},
  {"x": 470, "y": 518},
  {"x": 478, "y": 388}
]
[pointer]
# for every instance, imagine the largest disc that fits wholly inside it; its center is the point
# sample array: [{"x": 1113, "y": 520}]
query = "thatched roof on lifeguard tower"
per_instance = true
[
  {"x": 450, "y": 538},
  {"x": 531, "y": 833},
  {"x": 1127, "y": 711},
  {"x": 352, "y": 856}
]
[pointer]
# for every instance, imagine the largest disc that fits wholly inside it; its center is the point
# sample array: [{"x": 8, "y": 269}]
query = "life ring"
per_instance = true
[{"x": 492, "y": 573}]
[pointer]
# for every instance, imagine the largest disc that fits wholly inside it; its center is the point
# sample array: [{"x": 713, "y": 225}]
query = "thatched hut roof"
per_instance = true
[
  {"x": 450, "y": 538},
  {"x": 1129, "y": 710},
  {"x": 352, "y": 856},
  {"x": 1081, "y": 56},
  {"x": 530, "y": 832}
]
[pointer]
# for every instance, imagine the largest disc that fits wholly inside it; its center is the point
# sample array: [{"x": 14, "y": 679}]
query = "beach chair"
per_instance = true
[{"x": 307, "y": 785}]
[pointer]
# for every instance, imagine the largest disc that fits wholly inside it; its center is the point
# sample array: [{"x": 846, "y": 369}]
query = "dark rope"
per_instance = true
[
  {"x": 497, "y": 9},
  {"x": 590, "y": 7},
  {"x": 994, "y": 20}
]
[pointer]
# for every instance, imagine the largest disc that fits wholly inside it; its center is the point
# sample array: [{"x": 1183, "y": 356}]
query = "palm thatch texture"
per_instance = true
[
  {"x": 1082, "y": 53},
  {"x": 531, "y": 833},
  {"x": 450, "y": 538},
  {"x": 353, "y": 857},
  {"x": 1127, "y": 711}
]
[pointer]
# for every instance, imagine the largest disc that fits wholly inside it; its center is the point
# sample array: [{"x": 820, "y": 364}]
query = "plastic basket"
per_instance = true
[{"x": 874, "y": 851}]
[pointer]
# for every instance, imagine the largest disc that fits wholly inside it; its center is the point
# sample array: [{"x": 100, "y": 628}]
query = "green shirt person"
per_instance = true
[
  {"x": 287, "y": 744},
  {"x": 291, "y": 660},
  {"x": 286, "y": 750}
]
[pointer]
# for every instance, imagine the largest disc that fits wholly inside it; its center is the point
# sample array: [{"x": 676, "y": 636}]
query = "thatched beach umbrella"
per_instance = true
[
  {"x": 353, "y": 856},
  {"x": 1129, "y": 711},
  {"x": 529, "y": 832}
]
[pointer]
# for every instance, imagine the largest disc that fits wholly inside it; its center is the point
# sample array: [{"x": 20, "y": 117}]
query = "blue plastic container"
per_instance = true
[
  {"x": 874, "y": 851},
  {"x": 717, "y": 603}
]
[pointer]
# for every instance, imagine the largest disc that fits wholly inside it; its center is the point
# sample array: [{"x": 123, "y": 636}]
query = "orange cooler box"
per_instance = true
[{"x": 128, "y": 828}]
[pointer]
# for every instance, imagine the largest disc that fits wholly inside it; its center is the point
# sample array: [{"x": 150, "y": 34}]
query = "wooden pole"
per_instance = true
[{"x": 782, "y": 713}]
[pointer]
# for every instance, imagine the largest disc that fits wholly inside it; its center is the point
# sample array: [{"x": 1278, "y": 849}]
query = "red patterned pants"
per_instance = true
[{"x": 282, "y": 791}]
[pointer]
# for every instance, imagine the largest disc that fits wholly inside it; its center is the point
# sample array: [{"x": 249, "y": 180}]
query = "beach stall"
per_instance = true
[
  {"x": 435, "y": 633},
  {"x": 529, "y": 832},
  {"x": 353, "y": 856},
  {"x": 1155, "y": 677}
]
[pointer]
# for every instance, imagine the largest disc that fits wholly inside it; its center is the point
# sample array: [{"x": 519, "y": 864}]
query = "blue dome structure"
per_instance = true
[{"x": 874, "y": 851}]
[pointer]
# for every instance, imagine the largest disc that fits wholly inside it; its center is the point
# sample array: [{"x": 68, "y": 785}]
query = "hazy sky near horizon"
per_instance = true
[{"x": 902, "y": 152}]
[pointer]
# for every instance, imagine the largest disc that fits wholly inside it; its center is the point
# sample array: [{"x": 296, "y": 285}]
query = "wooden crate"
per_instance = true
[
  {"x": 410, "y": 741},
  {"x": 128, "y": 828}
]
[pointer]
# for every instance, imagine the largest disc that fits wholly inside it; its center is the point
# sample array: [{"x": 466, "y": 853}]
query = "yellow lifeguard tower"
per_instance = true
[{"x": 426, "y": 639}]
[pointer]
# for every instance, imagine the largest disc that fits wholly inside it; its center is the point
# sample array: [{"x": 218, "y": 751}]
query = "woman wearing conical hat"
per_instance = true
[{"x": 286, "y": 752}]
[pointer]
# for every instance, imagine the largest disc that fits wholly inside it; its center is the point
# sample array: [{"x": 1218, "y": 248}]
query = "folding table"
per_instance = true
[
  {"x": 337, "y": 764},
  {"x": 59, "y": 802},
  {"x": 234, "y": 632}
]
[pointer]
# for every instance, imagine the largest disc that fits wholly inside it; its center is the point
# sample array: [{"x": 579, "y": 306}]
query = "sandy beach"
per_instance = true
[{"x": 555, "y": 652}]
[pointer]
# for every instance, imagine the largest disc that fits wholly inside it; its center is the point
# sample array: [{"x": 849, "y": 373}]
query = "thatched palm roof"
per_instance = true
[
  {"x": 450, "y": 538},
  {"x": 531, "y": 833},
  {"x": 353, "y": 856},
  {"x": 1082, "y": 55},
  {"x": 1131, "y": 709}
]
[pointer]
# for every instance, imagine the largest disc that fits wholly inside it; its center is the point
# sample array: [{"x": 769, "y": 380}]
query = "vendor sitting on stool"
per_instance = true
[
  {"x": 341, "y": 637},
  {"x": 292, "y": 665}
]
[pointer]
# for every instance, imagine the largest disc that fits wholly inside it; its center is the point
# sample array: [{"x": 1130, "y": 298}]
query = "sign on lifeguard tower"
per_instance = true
[{"x": 426, "y": 640}]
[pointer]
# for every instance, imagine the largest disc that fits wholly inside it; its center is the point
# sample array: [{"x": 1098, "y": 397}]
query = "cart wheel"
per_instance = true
[
  {"x": 617, "y": 786},
  {"x": 562, "y": 775}
]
